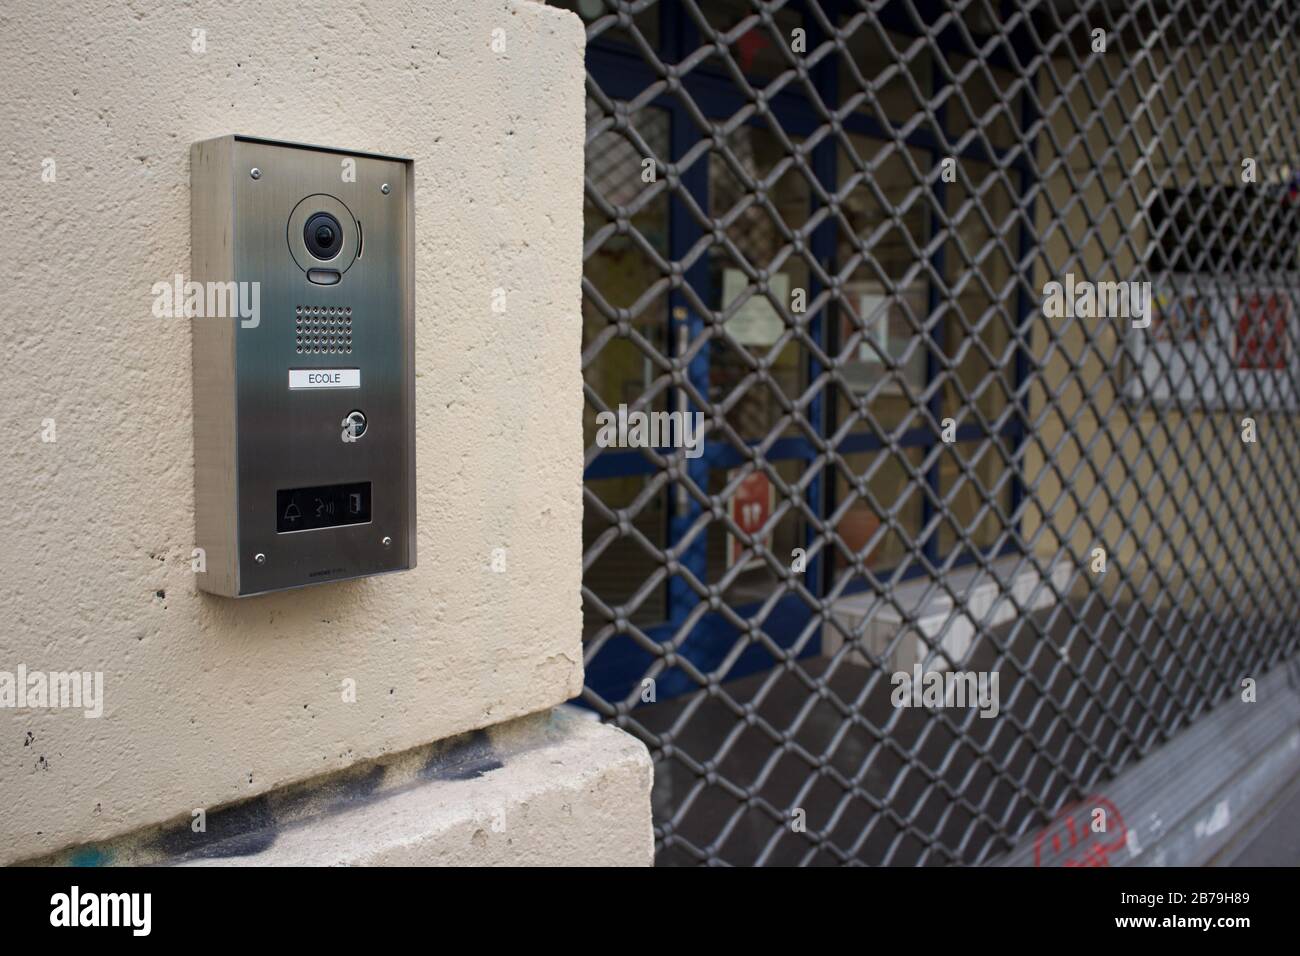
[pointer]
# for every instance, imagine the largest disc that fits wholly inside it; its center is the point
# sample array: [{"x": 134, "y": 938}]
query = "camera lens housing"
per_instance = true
[{"x": 323, "y": 236}]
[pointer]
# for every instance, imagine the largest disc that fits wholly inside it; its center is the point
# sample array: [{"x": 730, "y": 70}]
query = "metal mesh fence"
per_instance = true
[{"x": 831, "y": 229}]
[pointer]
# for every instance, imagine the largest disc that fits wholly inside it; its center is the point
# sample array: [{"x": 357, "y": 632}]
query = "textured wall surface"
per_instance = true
[
  {"x": 549, "y": 790},
  {"x": 552, "y": 789},
  {"x": 209, "y": 700}
]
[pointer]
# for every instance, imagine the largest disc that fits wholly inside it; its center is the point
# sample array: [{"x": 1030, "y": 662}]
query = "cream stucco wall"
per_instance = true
[{"x": 209, "y": 700}]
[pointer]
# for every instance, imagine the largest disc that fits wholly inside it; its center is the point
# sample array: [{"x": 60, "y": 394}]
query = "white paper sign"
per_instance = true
[{"x": 756, "y": 322}]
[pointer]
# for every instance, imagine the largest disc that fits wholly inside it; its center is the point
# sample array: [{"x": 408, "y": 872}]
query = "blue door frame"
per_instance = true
[{"x": 690, "y": 653}]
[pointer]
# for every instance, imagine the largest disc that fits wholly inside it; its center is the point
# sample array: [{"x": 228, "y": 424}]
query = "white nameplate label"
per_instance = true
[{"x": 324, "y": 378}]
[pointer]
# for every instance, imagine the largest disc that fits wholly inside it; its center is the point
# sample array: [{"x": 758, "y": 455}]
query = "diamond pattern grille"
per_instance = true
[{"x": 779, "y": 168}]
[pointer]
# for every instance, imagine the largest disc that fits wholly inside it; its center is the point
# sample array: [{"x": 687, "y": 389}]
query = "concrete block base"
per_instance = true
[{"x": 553, "y": 789}]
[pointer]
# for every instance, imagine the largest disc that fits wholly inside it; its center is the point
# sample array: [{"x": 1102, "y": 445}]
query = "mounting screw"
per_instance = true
[
  {"x": 255, "y": 173},
  {"x": 385, "y": 189},
  {"x": 260, "y": 558},
  {"x": 388, "y": 542}
]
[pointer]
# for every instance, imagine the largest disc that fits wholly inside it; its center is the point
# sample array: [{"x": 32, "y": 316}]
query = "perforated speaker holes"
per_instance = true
[{"x": 320, "y": 329}]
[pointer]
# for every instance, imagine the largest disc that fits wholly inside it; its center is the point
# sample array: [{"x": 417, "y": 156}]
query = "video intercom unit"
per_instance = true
[{"x": 302, "y": 303}]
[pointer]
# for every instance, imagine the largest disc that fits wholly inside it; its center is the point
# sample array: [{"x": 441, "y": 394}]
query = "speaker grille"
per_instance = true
[{"x": 320, "y": 329}]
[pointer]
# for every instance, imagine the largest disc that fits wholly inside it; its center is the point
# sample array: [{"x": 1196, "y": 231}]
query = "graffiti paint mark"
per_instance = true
[
  {"x": 91, "y": 856},
  {"x": 1216, "y": 821},
  {"x": 1069, "y": 839},
  {"x": 1131, "y": 842}
]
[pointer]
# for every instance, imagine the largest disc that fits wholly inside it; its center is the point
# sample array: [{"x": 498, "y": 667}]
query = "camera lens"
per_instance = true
[{"x": 323, "y": 235}]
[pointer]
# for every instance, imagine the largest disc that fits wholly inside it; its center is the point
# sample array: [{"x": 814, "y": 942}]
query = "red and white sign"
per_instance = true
[
  {"x": 1218, "y": 347},
  {"x": 1259, "y": 330},
  {"x": 750, "y": 508}
]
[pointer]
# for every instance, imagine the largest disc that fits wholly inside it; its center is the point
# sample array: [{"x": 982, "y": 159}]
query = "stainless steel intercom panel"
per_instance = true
[{"x": 302, "y": 305}]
